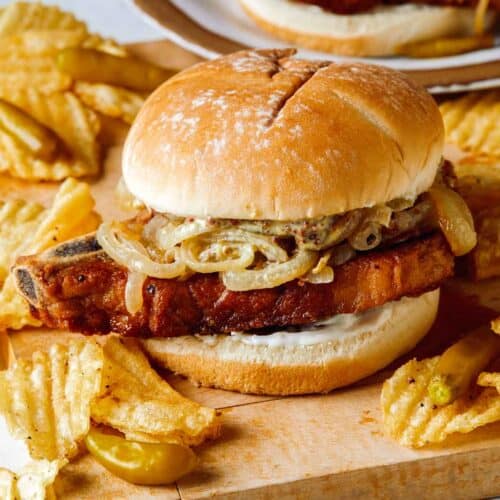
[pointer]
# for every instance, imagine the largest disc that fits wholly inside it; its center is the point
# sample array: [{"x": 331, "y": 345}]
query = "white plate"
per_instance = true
[{"x": 227, "y": 19}]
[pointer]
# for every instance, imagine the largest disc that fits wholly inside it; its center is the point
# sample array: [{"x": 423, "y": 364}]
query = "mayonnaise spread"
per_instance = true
[{"x": 324, "y": 331}]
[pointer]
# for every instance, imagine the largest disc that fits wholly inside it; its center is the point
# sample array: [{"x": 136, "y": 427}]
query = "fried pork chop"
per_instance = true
[{"x": 76, "y": 286}]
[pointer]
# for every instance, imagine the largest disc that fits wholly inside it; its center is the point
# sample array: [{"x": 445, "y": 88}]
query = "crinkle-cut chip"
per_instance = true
[
  {"x": 471, "y": 123},
  {"x": 46, "y": 400},
  {"x": 24, "y": 16},
  {"x": 485, "y": 258},
  {"x": 18, "y": 220},
  {"x": 7, "y": 485},
  {"x": 7, "y": 356},
  {"x": 41, "y": 42},
  {"x": 71, "y": 215},
  {"x": 410, "y": 417},
  {"x": 104, "y": 45},
  {"x": 40, "y": 72},
  {"x": 34, "y": 482},
  {"x": 138, "y": 402},
  {"x": 20, "y": 163},
  {"x": 110, "y": 100},
  {"x": 489, "y": 379},
  {"x": 68, "y": 117},
  {"x": 49, "y": 42}
]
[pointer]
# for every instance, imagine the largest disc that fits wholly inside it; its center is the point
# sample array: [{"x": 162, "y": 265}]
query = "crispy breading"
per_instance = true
[{"x": 78, "y": 287}]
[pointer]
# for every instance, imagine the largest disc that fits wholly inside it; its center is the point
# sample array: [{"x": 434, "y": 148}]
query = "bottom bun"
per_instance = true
[{"x": 228, "y": 362}]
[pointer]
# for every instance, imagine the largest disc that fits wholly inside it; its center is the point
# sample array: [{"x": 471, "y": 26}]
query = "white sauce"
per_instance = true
[{"x": 333, "y": 328}]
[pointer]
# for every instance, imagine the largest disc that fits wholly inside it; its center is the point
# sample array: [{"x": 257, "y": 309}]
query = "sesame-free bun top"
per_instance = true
[{"x": 263, "y": 135}]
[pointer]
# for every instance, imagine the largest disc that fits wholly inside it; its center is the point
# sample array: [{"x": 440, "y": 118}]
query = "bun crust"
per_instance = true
[
  {"x": 375, "y": 33},
  {"x": 230, "y": 364},
  {"x": 261, "y": 135}
]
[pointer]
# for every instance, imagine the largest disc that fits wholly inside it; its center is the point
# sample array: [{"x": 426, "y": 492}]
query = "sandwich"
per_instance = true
[
  {"x": 294, "y": 224},
  {"x": 374, "y": 27}
]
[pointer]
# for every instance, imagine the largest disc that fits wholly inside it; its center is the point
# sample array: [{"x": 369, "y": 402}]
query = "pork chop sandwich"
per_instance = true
[
  {"x": 376, "y": 27},
  {"x": 294, "y": 233}
]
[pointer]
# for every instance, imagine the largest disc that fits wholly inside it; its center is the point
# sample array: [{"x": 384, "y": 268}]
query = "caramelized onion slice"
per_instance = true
[
  {"x": 326, "y": 275},
  {"x": 132, "y": 254},
  {"x": 226, "y": 256},
  {"x": 171, "y": 234},
  {"x": 272, "y": 275},
  {"x": 264, "y": 244},
  {"x": 454, "y": 219},
  {"x": 133, "y": 291}
]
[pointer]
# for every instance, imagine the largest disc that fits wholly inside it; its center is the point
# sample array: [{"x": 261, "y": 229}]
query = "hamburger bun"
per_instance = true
[
  {"x": 262, "y": 135},
  {"x": 226, "y": 362},
  {"x": 377, "y": 32}
]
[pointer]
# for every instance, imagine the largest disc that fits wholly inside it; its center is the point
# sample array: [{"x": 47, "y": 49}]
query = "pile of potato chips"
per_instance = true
[
  {"x": 50, "y": 400},
  {"x": 473, "y": 132},
  {"x": 82, "y": 116}
]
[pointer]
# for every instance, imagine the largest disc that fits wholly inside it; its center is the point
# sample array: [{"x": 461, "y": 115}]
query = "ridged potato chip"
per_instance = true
[
  {"x": 23, "y": 16},
  {"x": 71, "y": 215},
  {"x": 40, "y": 42},
  {"x": 65, "y": 115},
  {"x": 485, "y": 258},
  {"x": 34, "y": 482},
  {"x": 109, "y": 100},
  {"x": 18, "y": 220},
  {"x": 18, "y": 162},
  {"x": 21, "y": 71},
  {"x": 7, "y": 485},
  {"x": 410, "y": 417},
  {"x": 471, "y": 123},
  {"x": 139, "y": 403},
  {"x": 46, "y": 400},
  {"x": 7, "y": 357}
]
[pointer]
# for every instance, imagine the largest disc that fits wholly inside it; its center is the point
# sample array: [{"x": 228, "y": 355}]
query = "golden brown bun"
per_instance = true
[
  {"x": 377, "y": 32},
  {"x": 227, "y": 363},
  {"x": 261, "y": 135}
]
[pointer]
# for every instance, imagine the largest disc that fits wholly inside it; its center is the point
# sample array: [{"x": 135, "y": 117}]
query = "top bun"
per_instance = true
[{"x": 261, "y": 135}]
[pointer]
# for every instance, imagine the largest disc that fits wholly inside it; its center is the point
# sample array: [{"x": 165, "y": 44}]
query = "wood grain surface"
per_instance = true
[{"x": 328, "y": 446}]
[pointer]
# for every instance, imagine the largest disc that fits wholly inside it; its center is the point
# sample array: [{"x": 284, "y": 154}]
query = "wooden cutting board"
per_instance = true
[{"x": 315, "y": 446}]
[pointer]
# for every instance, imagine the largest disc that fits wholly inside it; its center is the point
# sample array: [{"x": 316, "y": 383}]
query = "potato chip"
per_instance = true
[
  {"x": 485, "y": 258},
  {"x": 7, "y": 357},
  {"x": 23, "y": 16},
  {"x": 471, "y": 123},
  {"x": 138, "y": 402},
  {"x": 40, "y": 42},
  {"x": 16, "y": 161},
  {"x": 20, "y": 71},
  {"x": 104, "y": 45},
  {"x": 109, "y": 100},
  {"x": 65, "y": 115},
  {"x": 46, "y": 400},
  {"x": 410, "y": 417},
  {"x": 7, "y": 485},
  {"x": 18, "y": 220},
  {"x": 34, "y": 482},
  {"x": 489, "y": 379},
  {"x": 71, "y": 215}
]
